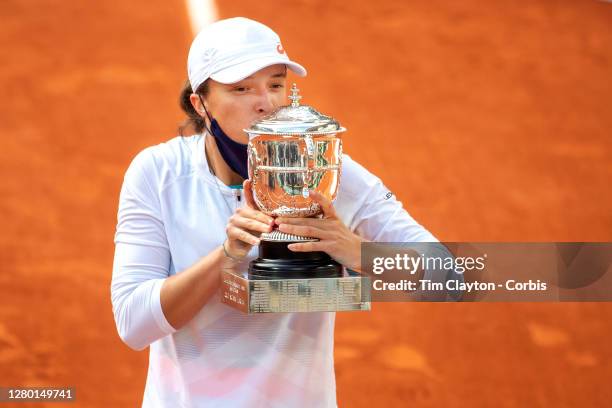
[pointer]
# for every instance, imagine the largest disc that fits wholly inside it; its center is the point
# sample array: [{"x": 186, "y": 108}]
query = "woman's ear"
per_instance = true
[{"x": 196, "y": 102}]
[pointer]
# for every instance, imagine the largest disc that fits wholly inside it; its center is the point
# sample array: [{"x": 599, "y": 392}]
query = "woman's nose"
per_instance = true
[{"x": 266, "y": 102}]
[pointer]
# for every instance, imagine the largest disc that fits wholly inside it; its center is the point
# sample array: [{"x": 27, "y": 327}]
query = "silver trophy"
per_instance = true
[{"x": 292, "y": 151}]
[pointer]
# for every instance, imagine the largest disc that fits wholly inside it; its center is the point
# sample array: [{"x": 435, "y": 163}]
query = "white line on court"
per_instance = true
[{"x": 201, "y": 13}]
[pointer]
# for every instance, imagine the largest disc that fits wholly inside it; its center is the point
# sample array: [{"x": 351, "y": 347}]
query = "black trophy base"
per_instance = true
[{"x": 276, "y": 261}]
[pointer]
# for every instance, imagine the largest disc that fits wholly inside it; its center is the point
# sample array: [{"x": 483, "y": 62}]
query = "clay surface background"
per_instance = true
[{"x": 491, "y": 121}]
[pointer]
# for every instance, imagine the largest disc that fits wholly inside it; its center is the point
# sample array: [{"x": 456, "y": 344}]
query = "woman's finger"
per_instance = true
[
  {"x": 326, "y": 205},
  {"x": 304, "y": 231},
  {"x": 248, "y": 212},
  {"x": 241, "y": 235},
  {"x": 250, "y": 224},
  {"x": 308, "y": 246}
]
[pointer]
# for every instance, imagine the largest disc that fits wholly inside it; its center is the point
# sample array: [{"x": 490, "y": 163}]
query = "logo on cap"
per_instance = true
[{"x": 280, "y": 48}]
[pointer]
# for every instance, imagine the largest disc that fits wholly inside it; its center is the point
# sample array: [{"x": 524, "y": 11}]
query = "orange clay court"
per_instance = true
[{"x": 491, "y": 121}]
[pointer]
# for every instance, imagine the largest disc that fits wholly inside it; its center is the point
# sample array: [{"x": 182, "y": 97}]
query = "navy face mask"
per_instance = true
[{"x": 234, "y": 153}]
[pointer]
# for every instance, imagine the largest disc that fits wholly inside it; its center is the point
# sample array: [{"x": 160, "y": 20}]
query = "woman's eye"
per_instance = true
[
  {"x": 241, "y": 89},
  {"x": 278, "y": 86}
]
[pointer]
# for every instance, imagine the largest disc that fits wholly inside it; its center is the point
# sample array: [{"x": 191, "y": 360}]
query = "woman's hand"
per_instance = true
[
  {"x": 245, "y": 226},
  {"x": 334, "y": 237}
]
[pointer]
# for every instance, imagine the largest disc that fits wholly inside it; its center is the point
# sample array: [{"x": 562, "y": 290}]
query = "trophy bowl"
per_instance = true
[{"x": 283, "y": 171}]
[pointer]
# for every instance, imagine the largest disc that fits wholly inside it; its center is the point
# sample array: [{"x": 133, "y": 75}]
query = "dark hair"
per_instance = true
[{"x": 194, "y": 120}]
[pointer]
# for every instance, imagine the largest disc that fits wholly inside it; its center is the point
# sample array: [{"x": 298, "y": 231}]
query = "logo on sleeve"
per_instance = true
[{"x": 388, "y": 195}]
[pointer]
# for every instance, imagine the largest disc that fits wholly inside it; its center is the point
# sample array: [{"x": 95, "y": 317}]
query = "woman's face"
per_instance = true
[{"x": 236, "y": 106}]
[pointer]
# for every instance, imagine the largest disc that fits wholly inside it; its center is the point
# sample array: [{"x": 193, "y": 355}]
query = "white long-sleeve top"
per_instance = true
[{"x": 172, "y": 212}]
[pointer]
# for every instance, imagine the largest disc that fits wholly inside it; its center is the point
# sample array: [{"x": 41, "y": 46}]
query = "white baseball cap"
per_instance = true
[{"x": 228, "y": 51}]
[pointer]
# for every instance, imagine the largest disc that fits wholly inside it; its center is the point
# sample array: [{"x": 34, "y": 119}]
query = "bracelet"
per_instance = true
[{"x": 227, "y": 254}]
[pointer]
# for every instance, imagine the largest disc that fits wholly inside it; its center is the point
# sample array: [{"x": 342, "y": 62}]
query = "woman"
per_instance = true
[{"x": 183, "y": 217}]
